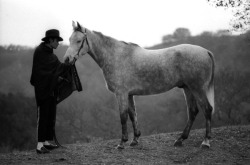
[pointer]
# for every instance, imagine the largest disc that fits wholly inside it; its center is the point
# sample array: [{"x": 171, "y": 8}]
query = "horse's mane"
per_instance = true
[
  {"x": 109, "y": 39},
  {"x": 130, "y": 43}
]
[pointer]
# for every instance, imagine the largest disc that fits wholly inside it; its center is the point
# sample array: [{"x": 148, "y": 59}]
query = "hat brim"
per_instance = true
[{"x": 59, "y": 38}]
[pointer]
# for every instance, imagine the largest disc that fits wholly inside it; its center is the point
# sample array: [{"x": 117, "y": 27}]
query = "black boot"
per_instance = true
[
  {"x": 51, "y": 146},
  {"x": 43, "y": 150}
]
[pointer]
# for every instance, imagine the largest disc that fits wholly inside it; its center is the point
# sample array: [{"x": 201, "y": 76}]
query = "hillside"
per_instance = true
[{"x": 230, "y": 145}]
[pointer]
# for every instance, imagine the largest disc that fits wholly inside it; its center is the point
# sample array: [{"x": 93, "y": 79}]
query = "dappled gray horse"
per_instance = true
[{"x": 130, "y": 70}]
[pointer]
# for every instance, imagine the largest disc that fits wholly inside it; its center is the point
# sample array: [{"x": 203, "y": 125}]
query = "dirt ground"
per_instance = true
[{"x": 229, "y": 145}]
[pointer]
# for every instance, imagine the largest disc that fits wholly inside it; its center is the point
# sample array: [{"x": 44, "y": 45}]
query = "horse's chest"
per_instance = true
[
  {"x": 116, "y": 77},
  {"x": 110, "y": 78}
]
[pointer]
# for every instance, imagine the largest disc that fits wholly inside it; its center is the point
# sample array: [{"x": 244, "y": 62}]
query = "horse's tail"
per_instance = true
[{"x": 210, "y": 91}]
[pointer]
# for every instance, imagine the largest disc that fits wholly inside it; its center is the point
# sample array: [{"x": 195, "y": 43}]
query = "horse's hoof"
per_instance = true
[
  {"x": 205, "y": 145},
  {"x": 134, "y": 143},
  {"x": 178, "y": 143},
  {"x": 120, "y": 147}
]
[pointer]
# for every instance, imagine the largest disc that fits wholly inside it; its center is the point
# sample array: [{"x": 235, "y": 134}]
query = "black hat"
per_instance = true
[{"x": 52, "y": 33}]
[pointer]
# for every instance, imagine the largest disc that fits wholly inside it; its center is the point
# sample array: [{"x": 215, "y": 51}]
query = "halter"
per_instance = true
[{"x": 85, "y": 33}]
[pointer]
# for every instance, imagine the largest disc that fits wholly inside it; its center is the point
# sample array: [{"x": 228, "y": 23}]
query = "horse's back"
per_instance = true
[
  {"x": 189, "y": 52},
  {"x": 176, "y": 55},
  {"x": 185, "y": 49},
  {"x": 174, "y": 66},
  {"x": 184, "y": 56}
]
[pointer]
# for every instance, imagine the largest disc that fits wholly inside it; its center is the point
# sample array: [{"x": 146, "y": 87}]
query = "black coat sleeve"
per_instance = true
[{"x": 58, "y": 70}]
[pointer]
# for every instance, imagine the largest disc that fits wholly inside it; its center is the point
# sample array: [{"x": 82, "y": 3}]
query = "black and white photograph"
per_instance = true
[{"x": 137, "y": 82}]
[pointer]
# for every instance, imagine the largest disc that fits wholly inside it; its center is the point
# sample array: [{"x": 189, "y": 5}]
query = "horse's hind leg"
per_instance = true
[
  {"x": 192, "y": 112},
  {"x": 133, "y": 118},
  {"x": 204, "y": 104}
]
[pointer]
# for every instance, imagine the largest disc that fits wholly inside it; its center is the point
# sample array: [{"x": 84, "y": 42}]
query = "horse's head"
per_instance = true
[{"x": 78, "y": 43}]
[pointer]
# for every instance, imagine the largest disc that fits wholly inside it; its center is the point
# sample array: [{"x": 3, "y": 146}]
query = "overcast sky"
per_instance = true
[{"x": 143, "y": 22}]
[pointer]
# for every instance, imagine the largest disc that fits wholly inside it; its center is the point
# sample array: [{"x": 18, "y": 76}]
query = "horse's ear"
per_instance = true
[
  {"x": 78, "y": 26},
  {"x": 74, "y": 25}
]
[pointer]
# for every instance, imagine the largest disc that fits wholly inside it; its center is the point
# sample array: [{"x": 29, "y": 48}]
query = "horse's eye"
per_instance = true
[{"x": 78, "y": 42}]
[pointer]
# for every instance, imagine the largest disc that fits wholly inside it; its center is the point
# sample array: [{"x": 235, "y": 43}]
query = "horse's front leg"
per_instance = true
[
  {"x": 123, "y": 104},
  {"x": 133, "y": 118}
]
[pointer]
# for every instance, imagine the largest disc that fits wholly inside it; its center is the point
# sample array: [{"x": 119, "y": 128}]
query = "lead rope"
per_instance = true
[{"x": 56, "y": 141}]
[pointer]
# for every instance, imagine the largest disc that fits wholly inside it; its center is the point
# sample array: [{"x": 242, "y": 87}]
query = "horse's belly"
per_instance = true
[
  {"x": 154, "y": 85},
  {"x": 150, "y": 90},
  {"x": 140, "y": 87}
]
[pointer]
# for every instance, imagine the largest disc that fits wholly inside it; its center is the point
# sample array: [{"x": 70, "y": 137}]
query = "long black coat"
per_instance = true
[{"x": 45, "y": 72}]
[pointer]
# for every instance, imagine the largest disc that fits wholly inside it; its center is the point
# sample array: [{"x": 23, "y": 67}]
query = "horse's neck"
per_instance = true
[{"x": 102, "y": 48}]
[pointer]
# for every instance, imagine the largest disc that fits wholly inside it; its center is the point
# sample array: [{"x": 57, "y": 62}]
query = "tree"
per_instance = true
[
  {"x": 232, "y": 89},
  {"x": 207, "y": 34},
  {"x": 168, "y": 38},
  {"x": 17, "y": 122},
  {"x": 247, "y": 36},
  {"x": 181, "y": 33},
  {"x": 222, "y": 33},
  {"x": 241, "y": 13}
]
